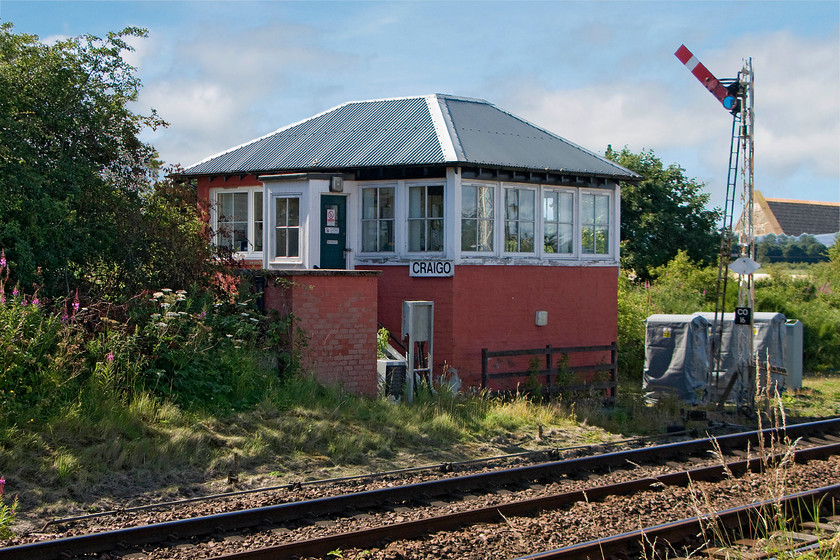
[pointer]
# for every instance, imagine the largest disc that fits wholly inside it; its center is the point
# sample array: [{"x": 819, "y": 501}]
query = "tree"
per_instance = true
[
  {"x": 661, "y": 214},
  {"x": 77, "y": 205}
]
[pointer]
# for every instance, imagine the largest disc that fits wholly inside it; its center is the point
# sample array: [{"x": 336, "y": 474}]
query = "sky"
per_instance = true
[{"x": 597, "y": 73}]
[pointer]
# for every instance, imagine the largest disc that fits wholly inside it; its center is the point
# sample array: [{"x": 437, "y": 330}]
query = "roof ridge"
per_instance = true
[{"x": 812, "y": 202}]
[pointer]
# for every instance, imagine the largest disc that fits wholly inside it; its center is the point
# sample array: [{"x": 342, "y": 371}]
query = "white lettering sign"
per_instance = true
[{"x": 431, "y": 269}]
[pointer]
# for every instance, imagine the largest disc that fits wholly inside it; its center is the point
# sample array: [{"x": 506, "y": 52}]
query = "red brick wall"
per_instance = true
[
  {"x": 337, "y": 311},
  {"x": 495, "y": 307}
]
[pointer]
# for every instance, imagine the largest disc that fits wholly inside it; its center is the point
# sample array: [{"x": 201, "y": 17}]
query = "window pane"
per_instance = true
[
  {"x": 436, "y": 202},
  {"x": 485, "y": 235},
  {"x": 511, "y": 204},
  {"x": 369, "y": 236},
  {"x": 550, "y": 207},
  {"x": 386, "y": 203},
  {"x": 486, "y": 207},
  {"x": 511, "y": 237},
  {"x": 469, "y": 231},
  {"x": 526, "y": 205},
  {"x": 526, "y": 237},
  {"x": 416, "y": 235},
  {"x": 587, "y": 209},
  {"x": 587, "y": 234},
  {"x": 602, "y": 238},
  {"x": 294, "y": 242},
  {"x": 240, "y": 237},
  {"x": 435, "y": 235},
  {"x": 224, "y": 204},
  {"x": 280, "y": 248},
  {"x": 602, "y": 209},
  {"x": 565, "y": 238},
  {"x": 550, "y": 241},
  {"x": 240, "y": 207},
  {"x": 294, "y": 212},
  {"x": 368, "y": 204},
  {"x": 566, "y": 207},
  {"x": 281, "y": 212},
  {"x": 258, "y": 220},
  {"x": 468, "y": 202},
  {"x": 258, "y": 236},
  {"x": 386, "y": 235},
  {"x": 417, "y": 202}
]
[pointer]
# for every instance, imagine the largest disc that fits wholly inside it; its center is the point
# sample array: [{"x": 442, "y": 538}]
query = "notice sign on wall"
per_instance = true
[{"x": 431, "y": 269}]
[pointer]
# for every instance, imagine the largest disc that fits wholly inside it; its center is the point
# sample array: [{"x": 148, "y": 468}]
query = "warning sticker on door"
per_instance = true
[{"x": 332, "y": 215}]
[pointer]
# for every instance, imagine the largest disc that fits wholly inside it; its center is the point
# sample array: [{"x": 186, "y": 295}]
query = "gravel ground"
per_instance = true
[{"x": 515, "y": 537}]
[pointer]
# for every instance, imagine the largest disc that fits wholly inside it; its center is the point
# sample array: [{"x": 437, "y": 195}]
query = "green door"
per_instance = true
[{"x": 333, "y": 231}]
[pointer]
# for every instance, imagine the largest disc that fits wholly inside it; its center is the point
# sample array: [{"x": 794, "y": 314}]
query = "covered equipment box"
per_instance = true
[
  {"x": 676, "y": 356},
  {"x": 769, "y": 334}
]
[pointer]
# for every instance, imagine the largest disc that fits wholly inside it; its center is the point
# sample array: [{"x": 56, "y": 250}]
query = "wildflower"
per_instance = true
[
  {"x": 36, "y": 302},
  {"x": 166, "y": 290},
  {"x": 171, "y": 314},
  {"x": 255, "y": 320},
  {"x": 157, "y": 294},
  {"x": 65, "y": 318},
  {"x": 181, "y": 292},
  {"x": 2, "y": 482},
  {"x": 15, "y": 292},
  {"x": 155, "y": 316},
  {"x": 76, "y": 302},
  {"x": 244, "y": 314},
  {"x": 110, "y": 357},
  {"x": 202, "y": 315},
  {"x": 164, "y": 305},
  {"x": 160, "y": 324},
  {"x": 3, "y": 260}
]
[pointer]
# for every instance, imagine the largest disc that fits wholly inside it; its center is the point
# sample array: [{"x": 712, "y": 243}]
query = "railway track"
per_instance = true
[
  {"x": 731, "y": 525},
  {"x": 824, "y": 435}
]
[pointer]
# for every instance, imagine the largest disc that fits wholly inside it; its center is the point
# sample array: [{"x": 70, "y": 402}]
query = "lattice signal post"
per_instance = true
[{"x": 736, "y": 96}]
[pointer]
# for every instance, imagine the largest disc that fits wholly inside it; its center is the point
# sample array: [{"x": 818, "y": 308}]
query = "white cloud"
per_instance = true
[{"x": 797, "y": 107}]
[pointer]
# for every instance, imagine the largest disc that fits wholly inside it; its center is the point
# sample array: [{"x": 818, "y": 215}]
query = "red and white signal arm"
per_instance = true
[{"x": 726, "y": 97}]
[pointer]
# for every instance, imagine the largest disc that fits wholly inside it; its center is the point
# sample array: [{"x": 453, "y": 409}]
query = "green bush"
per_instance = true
[
  {"x": 810, "y": 294},
  {"x": 202, "y": 350}
]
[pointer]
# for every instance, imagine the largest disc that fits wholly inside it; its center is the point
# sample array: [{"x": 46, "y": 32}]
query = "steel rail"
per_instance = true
[
  {"x": 676, "y": 532},
  {"x": 551, "y": 453},
  {"x": 287, "y": 512},
  {"x": 497, "y": 513}
]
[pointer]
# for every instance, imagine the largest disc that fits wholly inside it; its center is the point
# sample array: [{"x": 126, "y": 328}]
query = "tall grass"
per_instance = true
[{"x": 773, "y": 529}]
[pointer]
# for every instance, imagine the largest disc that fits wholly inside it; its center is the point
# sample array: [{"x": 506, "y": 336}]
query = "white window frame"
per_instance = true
[
  {"x": 272, "y": 224},
  {"x": 494, "y": 220},
  {"x": 575, "y": 224},
  {"x": 408, "y": 219},
  {"x": 253, "y": 194},
  {"x": 611, "y": 231},
  {"x": 362, "y": 219},
  {"x": 502, "y": 217}
]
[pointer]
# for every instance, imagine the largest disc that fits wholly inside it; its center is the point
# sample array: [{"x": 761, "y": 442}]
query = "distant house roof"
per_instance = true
[
  {"x": 795, "y": 217},
  {"x": 432, "y": 130}
]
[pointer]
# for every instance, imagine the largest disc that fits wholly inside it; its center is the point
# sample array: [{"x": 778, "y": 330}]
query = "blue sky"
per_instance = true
[{"x": 597, "y": 73}]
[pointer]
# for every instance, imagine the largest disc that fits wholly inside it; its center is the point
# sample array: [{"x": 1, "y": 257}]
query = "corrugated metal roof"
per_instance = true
[{"x": 402, "y": 132}]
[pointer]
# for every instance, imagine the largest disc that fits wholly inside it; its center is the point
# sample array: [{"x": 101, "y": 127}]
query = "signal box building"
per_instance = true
[{"x": 511, "y": 230}]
